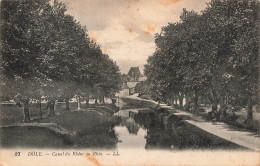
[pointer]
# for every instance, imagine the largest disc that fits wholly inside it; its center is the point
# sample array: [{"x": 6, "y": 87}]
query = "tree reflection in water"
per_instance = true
[{"x": 171, "y": 132}]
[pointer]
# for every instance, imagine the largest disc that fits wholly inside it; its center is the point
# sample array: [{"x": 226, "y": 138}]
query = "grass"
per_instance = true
[
  {"x": 12, "y": 113},
  {"x": 92, "y": 126},
  {"x": 32, "y": 137},
  {"x": 236, "y": 119}
]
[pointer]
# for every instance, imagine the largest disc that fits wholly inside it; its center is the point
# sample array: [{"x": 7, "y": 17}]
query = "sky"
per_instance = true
[{"x": 125, "y": 29}]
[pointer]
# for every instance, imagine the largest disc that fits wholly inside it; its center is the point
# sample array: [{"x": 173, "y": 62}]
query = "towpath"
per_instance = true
[{"x": 220, "y": 129}]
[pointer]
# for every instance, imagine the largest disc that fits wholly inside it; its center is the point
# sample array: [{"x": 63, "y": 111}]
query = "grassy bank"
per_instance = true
[
  {"x": 11, "y": 113},
  {"x": 91, "y": 128}
]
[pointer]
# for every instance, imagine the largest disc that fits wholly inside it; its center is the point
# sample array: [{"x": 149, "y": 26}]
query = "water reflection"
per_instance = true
[
  {"x": 146, "y": 129},
  {"x": 131, "y": 125},
  {"x": 130, "y": 135},
  {"x": 128, "y": 140}
]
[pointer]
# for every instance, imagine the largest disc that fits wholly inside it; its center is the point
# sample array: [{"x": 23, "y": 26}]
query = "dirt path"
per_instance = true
[{"x": 222, "y": 130}]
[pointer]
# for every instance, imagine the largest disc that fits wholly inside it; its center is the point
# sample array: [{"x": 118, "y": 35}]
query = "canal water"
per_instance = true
[{"x": 144, "y": 128}]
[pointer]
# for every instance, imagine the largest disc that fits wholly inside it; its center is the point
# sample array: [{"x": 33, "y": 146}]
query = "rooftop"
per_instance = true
[{"x": 134, "y": 72}]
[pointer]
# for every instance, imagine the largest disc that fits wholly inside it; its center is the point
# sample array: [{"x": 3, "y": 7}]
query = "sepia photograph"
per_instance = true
[{"x": 129, "y": 82}]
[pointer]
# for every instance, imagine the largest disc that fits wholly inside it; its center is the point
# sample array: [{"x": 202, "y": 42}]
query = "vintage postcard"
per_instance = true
[{"x": 130, "y": 82}]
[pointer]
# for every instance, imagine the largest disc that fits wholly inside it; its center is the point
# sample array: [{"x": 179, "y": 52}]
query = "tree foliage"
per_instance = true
[
  {"x": 46, "y": 52},
  {"x": 213, "y": 54}
]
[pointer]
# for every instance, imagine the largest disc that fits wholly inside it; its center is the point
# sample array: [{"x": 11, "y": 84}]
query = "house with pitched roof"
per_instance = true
[
  {"x": 134, "y": 74},
  {"x": 130, "y": 80},
  {"x": 134, "y": 77}
]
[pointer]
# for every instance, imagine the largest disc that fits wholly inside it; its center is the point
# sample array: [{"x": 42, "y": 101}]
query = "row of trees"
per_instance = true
[
  {"x": 213, "y": 55},
  {"x": 46, "y": 52}
]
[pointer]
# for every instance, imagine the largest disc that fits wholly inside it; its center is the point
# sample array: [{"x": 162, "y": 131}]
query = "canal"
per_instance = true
[{"x": 144, "y": 128}]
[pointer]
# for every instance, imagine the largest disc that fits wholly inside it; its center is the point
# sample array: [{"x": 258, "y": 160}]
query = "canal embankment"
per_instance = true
[
  {"x": 83, "y": 128},
  {"x": 154, "y": 129},
  {"x": 230, "y": 133}
]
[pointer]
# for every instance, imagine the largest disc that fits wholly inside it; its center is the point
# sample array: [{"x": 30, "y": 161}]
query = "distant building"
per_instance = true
[
  {"x": 130, "y": 80},
  {"x": 134, "y": 74},
  {"x": 125, "y": 90},
  {"x": 131, "y": 86}
]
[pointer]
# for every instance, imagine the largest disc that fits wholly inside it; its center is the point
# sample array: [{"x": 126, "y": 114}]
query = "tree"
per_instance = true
[
  {"x": 110, "y": 83},
  {"x": 214, "y": 54},
  {"x": 233, "y": 23},
  {"x": 21, "y": 47},
  {"x": 45, "y": 51}
]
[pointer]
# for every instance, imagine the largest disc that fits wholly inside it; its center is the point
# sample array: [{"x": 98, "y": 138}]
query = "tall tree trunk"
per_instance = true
[
  {"x": 67, "y": 103},
  {"x": 96, "y": 101},
  {"x": 195, "y": 100},
  {"x": 214, "y": 104},
  {"x": 176, "y": 99},
  {"x": 26, "y": 111},
  {"x": 214, "y": 107},
  {"x": 78, "y": 102},
  {"x": 249, "y": 119},
  {"x": 181, "y": 102},
  {"x": 40, "y": 105},
  {"x": 222, "y": 110},
  {"x": 172, "y": 101},
  {"x": 103, "y": 99},
  {"x": 205, "y": 102},
  {"x": 87, "y": 102},
  {"x": 51, "y": 106},
  {"x": 187, "y": 105}
]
